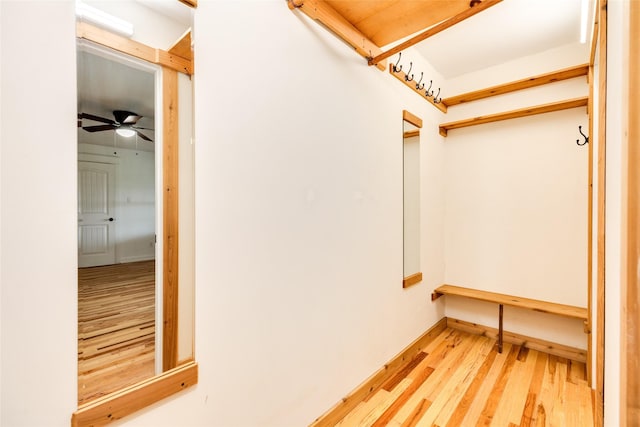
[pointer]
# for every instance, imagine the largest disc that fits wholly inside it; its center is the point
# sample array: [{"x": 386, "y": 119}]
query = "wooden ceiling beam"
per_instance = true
[
  {"x": 190, "y": 3},
  {"x": 434, "y": 30},
  {"x": 321, "y": 11},
  {"x": 385, "y": 22}
]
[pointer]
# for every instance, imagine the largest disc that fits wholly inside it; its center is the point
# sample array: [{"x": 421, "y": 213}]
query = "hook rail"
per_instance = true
[{"x": 417, "y": 86}]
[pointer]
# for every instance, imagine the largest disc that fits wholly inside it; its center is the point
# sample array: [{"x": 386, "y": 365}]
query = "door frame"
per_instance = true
[{"x": 630, "y": 289}]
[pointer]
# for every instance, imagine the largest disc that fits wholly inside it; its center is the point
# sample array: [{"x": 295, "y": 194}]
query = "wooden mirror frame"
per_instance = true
[
  {"x": 119, "y": 404},
  {"x": 415, "y": 278}
]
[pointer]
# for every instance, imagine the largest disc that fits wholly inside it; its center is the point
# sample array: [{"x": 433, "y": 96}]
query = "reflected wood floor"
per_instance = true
[
  {"x": 116, "y": 327},
  {"x": 460, "y": 379}
]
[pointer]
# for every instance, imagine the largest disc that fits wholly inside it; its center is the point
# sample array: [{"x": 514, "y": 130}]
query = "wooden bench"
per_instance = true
[{"x": 503, "y": 299}]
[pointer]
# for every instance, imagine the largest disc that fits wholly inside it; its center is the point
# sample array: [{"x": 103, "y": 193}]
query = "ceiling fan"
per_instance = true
[{"x": 124, "y": 124}]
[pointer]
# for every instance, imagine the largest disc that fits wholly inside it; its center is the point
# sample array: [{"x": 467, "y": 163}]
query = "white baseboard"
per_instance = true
[{"x": 136, "y": 258}]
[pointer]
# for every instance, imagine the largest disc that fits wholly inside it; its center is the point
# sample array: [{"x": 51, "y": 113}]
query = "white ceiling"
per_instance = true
[
  {"x": 506, "y": 31},
  {"x": 172, "y": 9}
]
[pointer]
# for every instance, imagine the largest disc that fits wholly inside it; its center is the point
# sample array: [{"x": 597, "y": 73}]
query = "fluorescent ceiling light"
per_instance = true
[
  {"x": 126, "y": 132},
  {"x": 584, "y": 17},
  {"x": 98, "y": 17}
]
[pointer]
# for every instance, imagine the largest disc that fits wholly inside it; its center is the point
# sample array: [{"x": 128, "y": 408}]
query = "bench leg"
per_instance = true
[{"x": 500, "y": 329}]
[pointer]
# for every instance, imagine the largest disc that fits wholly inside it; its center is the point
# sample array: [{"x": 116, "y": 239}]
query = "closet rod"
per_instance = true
[
  {"x": 530, "y": 111},
  {"x": 322, "y": 12}
]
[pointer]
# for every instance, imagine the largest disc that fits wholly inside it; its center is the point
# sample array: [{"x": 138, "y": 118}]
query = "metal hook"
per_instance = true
[
  {"x": 586, "y": 138},
  {"x": 406, "y": 77},
  {"x": 418, "y": 85},
  {"x": 397, "y": 69},
  {"x": 427, "y": 93},
  {"x": 435, "y": 98}
]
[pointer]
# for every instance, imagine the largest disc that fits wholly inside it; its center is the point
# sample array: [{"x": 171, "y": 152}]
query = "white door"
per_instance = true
[{"x": 96, "y": 221}]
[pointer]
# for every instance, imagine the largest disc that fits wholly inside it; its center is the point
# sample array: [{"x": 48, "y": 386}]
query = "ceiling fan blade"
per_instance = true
[
  {"x": 146, "y": 138},
  {"x": 137, "y": 127},
  {"x": 98, "y": 128},
  {"x": 95, "y": 118}
]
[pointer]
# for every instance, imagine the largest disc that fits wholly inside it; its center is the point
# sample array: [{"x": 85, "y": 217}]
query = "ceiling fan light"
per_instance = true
[{"x": 127, "y": 133}]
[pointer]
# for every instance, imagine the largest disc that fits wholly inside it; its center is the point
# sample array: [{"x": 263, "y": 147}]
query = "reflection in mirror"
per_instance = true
[
  {"x": 126, "y": 281},
  {"x": 117, "y": 189},
  {"x": 411, "y": 199}
]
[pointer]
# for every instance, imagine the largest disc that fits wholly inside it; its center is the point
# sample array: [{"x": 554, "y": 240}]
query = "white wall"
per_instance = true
[
  {"x": 38, "y": 246},
  {"x": 617, "y": 110},
  {"x": 298, "y": 214},
  {"x": 134, "y": 200},
  {"x": 1, "y": 138},
  {"x": 150, "y": 28},
  {"x": 516, "y": 199}
]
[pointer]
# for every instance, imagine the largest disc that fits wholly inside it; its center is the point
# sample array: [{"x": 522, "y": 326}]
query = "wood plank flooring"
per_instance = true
[
  {"x": 460, "y": 379},
  {"x": 116, "y": 327}
]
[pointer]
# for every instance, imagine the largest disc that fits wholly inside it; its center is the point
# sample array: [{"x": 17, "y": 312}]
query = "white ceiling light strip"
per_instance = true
[{"x": 103, "y": 19}]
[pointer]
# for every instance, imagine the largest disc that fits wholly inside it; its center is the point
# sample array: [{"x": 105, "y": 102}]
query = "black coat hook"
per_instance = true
[
  {"x": 435, "y": 98},
  {"x": 418, "y": 85},
  {"x": 397, "y": 69},
  {"x": 428, "y": 93},
  {"x": 406, "y": 77},
  {"x": 586, "y": 138}
]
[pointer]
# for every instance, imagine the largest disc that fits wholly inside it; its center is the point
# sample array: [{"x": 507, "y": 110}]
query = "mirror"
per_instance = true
[
  {"x": 411, "y": 199},
  {"x": 135, "y": 203},
  {"x": 117, "y": 217}
]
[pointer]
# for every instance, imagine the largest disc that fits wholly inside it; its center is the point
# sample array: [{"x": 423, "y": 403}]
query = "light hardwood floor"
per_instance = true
[
  {"x": 461, "y": 380},
  {"x": 116, "y": 327}
]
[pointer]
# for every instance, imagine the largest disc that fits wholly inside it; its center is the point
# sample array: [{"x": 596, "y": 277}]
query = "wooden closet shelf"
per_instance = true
[
  {"x": 528, "y": 303},
  {"x": 542, "y": 79},
  {"x": 530, "y": 111},
  {"x": 503, "y": 299}
]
